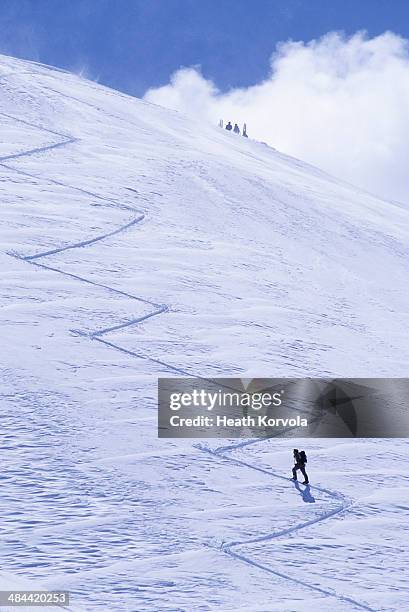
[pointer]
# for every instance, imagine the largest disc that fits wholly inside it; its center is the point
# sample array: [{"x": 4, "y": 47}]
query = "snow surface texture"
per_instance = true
[{"x": 137, "y": 243}]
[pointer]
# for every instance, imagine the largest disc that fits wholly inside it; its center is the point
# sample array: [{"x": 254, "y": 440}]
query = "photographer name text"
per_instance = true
[{"x": 244, "y": 421}]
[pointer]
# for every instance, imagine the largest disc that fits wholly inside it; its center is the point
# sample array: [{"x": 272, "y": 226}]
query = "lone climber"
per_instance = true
[{"x": 300, "y": 459}]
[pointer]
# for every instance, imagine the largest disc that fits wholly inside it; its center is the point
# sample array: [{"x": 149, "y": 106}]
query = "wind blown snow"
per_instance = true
[{"x": 340, "y": 103}]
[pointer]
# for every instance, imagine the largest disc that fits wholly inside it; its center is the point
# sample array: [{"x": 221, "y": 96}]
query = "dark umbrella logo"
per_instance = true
[{"x": 336, "y": 401}]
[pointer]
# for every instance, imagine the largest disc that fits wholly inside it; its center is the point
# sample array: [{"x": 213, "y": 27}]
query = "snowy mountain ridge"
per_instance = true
[{"x": 136, "y": 243}]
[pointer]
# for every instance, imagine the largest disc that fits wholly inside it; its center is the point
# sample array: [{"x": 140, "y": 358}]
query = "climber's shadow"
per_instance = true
[{"x": 305, "y": 492}]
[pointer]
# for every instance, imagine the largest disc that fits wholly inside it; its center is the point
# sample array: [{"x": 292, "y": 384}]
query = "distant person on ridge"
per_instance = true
[
  {"x": 245, "y": 130},
  {"x": 236, "y": 129},
  {"x": 229, "y": 126},
  {"x": 300, "y": 459}
]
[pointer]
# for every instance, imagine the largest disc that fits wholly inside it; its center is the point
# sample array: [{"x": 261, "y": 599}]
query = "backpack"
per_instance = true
[{"x": 303, "y": 457}]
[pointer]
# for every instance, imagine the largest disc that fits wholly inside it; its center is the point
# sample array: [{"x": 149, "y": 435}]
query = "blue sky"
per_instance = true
[{"x": 133, "y": 45}]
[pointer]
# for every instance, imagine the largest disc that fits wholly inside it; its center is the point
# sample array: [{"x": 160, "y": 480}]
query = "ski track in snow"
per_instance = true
[
  {"x": 159, "y": 309},
  {"x": 32, "y": 259},
  {"x": 227, "y": 547}
]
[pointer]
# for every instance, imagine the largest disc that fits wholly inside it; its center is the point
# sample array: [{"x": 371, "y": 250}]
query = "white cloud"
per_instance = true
[{"x": 340, "y": 103}]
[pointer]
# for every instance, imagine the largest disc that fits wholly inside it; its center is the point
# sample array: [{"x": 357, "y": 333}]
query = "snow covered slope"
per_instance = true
[{"x": 137, "y": 243}]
